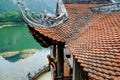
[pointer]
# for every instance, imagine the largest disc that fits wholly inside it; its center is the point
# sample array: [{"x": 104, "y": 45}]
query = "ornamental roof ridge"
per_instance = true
[{"x": 44, "y": 20}]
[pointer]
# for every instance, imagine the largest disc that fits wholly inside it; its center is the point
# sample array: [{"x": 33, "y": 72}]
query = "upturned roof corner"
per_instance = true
[{"x": 43, "y": 20}]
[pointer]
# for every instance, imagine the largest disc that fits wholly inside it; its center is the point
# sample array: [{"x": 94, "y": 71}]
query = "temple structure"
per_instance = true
[{"x": 84, "y": 37}]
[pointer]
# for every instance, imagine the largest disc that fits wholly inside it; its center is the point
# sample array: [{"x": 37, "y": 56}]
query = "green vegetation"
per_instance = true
[
  {"x": 9, "y": 12},
  {"x": 10, "y": 18}
]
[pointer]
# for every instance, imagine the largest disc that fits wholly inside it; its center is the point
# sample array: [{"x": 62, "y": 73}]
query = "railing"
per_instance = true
[{"x": 38, "y": 73}]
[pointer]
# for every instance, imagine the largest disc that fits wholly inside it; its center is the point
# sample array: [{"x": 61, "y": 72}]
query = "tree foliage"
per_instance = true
[{"x": 10, "y": 17}]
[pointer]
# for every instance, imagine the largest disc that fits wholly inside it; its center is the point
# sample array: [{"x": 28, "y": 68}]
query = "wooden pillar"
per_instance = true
[
  {"x": 77, "y": 70},
  {"x": 54, "y": 51},
  {"x": 60, "y": 57}
]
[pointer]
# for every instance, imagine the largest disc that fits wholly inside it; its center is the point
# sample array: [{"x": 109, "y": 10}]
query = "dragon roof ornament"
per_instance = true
[{"x": 44, "y": 20}]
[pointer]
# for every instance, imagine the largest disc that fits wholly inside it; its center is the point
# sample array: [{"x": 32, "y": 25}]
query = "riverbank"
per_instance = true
[
  {"x": 2, "y": 26},
  {"x": 9, "y": 24}
]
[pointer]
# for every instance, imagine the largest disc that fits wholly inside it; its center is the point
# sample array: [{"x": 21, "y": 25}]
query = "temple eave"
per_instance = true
[{"x": 43, "y": 40}]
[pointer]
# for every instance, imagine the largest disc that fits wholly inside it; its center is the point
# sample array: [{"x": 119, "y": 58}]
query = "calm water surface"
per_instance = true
[
  {"x": 16, "y": 38},
  {"x": 15, "y": 66}
]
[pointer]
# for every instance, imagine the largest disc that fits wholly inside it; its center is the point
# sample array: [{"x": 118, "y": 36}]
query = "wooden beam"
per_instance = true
[{"x": 54, "y": 55}]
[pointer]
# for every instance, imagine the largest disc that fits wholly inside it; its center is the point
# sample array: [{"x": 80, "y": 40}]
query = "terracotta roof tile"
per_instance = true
[
  {"x": 98, "y": 49},
  {"x": 94, "y": 40},
  {"x": 78, "y": 18}
]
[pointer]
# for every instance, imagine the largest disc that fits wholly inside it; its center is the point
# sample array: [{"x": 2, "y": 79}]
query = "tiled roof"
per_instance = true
[
  {"x": 98, "y": 48},
  {"x": 79, "y": 16},
  {"x": 94, "y": 40}
]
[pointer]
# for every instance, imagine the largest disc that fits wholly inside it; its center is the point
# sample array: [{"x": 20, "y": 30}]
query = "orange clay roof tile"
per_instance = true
[{"x": 94, "y": 40}]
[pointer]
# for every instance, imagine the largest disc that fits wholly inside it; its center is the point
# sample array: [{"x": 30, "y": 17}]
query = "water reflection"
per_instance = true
[
  {"x": 19, "y": 53},
  {"x": 16, "y": 38},
  {"x": 19, "y": 69},
  {"x": 14, "y": 56}
]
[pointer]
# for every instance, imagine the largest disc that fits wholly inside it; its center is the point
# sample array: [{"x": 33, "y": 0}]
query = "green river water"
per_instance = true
[
  {"x": 16, "y": 38},
  {"x": 19, "y": 53}
]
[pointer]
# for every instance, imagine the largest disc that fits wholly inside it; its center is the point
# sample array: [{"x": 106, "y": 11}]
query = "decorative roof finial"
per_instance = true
[{"x": 44, "y": 20}]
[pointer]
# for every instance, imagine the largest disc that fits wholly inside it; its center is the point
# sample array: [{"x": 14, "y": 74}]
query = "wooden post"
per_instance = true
[
  {"x": 77, "y": 70},
  {"x": 54, "y": 56},
  {"x": 60, "y": 57},
  {"x": 54, "y": 51}
]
